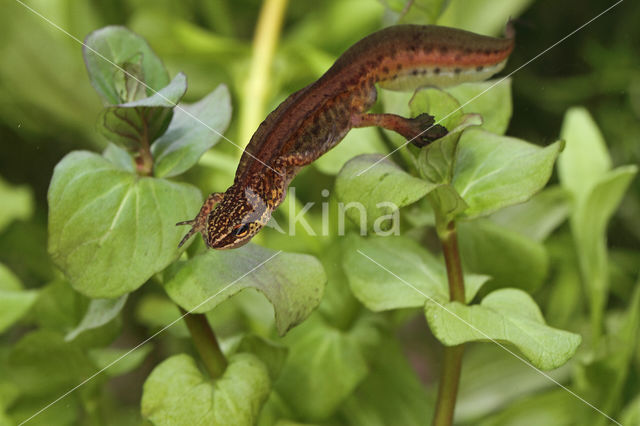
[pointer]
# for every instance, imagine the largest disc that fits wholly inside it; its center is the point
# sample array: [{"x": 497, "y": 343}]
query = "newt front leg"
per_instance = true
[{"x": 199, "y": 223}]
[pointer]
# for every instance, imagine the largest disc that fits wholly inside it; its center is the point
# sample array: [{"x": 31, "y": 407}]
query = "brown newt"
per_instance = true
[{"x": 315, "y": 119}]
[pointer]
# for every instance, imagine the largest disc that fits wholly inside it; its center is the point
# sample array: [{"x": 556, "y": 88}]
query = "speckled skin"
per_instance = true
[{"x": 316, "y": 118}]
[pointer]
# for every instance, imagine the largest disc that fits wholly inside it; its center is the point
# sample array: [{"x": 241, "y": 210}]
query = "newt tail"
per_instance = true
[{"x": 314, "y": 119}]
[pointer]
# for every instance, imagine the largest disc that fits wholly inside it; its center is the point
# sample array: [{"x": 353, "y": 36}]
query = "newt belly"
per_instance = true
[{"x": 316, "y": 118}]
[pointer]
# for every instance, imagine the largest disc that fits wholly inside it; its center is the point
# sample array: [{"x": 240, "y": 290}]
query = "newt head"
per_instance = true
[{"x": 239, "y": 215}]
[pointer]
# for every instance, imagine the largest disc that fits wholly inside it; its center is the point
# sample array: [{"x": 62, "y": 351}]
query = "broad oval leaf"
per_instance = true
[
  {"x": 506, "y": 316},
  {"x": 110, "y": 230},
  {"x": 194, "y": 129},
  {"x": 395, "y": 272},
  {"x": 292, "y": 282},
  {"x": 176, "y": 393},
  {"x": 495, "y": 171},
  {"x": 378, "y": 185},
  {"x": 114, "y": 46}
]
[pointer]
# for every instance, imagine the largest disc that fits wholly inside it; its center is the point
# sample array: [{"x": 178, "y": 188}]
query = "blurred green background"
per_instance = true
[{"x": 48, "y": 107}]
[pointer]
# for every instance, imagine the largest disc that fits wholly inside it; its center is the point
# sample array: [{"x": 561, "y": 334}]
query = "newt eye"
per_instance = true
[{"x": 241, "y": 230}]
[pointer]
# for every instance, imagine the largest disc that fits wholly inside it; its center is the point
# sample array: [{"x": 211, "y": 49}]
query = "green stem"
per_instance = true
[
  {"x": 452, "y": 357},
  {"x": 265, "y": 40},
  {"x": 206, "y": 343}
]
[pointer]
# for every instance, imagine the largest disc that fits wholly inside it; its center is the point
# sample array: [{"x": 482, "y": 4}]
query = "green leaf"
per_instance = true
[
  {"x": 43, "y": 363},
  {"x": 109, "y": 230},
  {"x": 391, "y": 394},
  {"x": 556, "y": 407},
  {"x": 589, "y": 224},
  {"x": 119, "y": 361},
  {"x": 293, "y": 283},
  {"x": 176, "y": 393},
  {"x": 585, "y": 159},
  {"x": 140, "y": 122},
  {"x": 17, "y": 203},
  {"x": 324, "y": 366},
  {"x": 436, "y": 102},
  {"x": 510, "y": 259},
  {"x": 14, "y": 301},
  {"x": 119, "y": 157},
  {"x": 380, "y": 190},
  {"x": 356, "y": 142},
  {"x": 538, "y": 217},
  {"x": 507, "y": 316},
  {"x": 487, "y": 372},
  {"x": 100, "y": 312},
  {"x": 120, "y": 46},
  {"x": 419, "y": 12},
  {"x": 395, "y": 272},
  {"x": 194, "y": 129},
  {"x": 493, "y": 172},
  {"x": 491, "y": 99},
  {"x": 272, "y": 354},
  {"x": 482, "y": 16},
  {"x": 157, "y": 311},
  {"x": 602, "y": 379},
  {"x": 436, "y": 162},
  {"x": 446, "y": 204}
]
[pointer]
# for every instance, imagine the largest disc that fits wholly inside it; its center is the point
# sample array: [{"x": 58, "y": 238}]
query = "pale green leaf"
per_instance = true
[
  {"x": 43, "y": 363},
  {"x": 110, "y": 230},
  {"x": 379, "y": 187},
  {"x": 117, "y": 361},
  {"x": 507, "y": 316},
  {"x": 14, "y": 301},
  {"x": 99, "y": 312},
  {"x": 538, "y": 217},
  {"x": 357, "y": 142},
  {"x": 510, "y": 259},
  {"x": 491, "y": 99},
  {"x": 585, "y": 158},
  {"x": 293, "y": 283},
  {"x": 493, "y": 172},
  {"x": 176, "y": 393},
  {"x": 137, "y": 123},
  {"x": 589, "y": 223},
  {"x": 482, "y": 16},
  {"x": 194, "y": 129},
  {"x": 17, "y": 203},
  {"x": 120, "y": 46},
  {"x": 396, "y": 272}
]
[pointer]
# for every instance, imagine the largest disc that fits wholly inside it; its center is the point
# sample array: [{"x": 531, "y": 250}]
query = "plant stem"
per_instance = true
[
  {"x": 206, "y": 343},
  {"x": 452, "y": 358},
  {"x": 449, "y": 241},
  {"x": 265, "y": 40},
  {"x": 144, "y": 159}
]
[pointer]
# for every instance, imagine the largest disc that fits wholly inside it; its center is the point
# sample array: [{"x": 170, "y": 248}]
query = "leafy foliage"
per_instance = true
[{"x": 336, "y": 333}]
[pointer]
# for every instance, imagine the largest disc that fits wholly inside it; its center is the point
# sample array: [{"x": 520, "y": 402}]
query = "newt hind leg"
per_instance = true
[
  {"x": 199, "y": 223},
  {"x": 419, "y": 131}
]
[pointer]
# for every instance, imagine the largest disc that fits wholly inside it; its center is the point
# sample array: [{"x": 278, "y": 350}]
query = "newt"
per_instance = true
[{"x": 316, "y": 118}]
